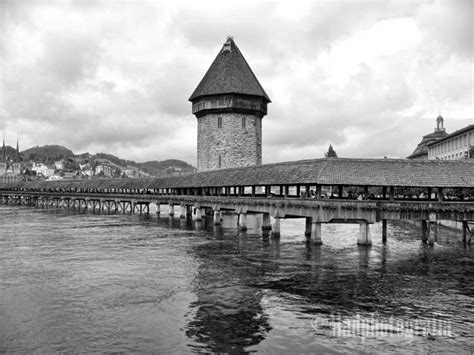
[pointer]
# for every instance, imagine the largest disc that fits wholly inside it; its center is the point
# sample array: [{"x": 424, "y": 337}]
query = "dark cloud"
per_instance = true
[{"x": 116, "y": 76}]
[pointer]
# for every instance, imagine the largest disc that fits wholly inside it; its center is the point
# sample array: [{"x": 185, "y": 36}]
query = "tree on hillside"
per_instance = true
[{"x": 331, "y": 152}]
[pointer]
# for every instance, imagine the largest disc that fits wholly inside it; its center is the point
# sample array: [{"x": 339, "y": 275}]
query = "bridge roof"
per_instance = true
[
  {"x": 328, "y": 171},
  {"x": 341, "y": 171}
]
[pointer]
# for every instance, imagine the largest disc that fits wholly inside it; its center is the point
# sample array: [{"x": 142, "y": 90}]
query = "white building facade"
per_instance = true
[{"x": 454, "y": 146}]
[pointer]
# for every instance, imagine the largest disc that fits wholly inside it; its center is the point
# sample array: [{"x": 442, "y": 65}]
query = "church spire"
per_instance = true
[
  {"x": 17, "y": 150},
  {"x": 3, "y": 148}
]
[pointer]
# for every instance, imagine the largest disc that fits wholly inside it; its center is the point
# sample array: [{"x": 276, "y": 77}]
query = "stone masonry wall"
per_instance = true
[{"x": 236, "y": 146}]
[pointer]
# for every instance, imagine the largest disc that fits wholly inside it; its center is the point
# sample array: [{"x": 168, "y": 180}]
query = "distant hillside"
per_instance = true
[
  {"x": 50, "y": 153},
  {"x": 113, "y": 159},
  {"x": 10, "y": 153},
  {"x": 165, "y": 167},
  {"x": 47, "y": 154}
]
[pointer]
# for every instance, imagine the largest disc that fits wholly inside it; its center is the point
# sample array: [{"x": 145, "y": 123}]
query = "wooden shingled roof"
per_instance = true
[
  {"x": 338, "y": 171},
  {"x": 328, "y": 171},
  {"x": 229, "y": 74}
]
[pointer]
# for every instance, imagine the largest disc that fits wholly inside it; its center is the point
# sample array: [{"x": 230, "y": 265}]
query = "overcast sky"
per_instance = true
[{"x": 368, "y": 77}]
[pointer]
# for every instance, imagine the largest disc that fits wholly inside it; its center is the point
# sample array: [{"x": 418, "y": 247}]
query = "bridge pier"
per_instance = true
[
  {"x": 243, "y": 221},
  {"x": 197, "y": 216},
  {"x": 364, "y": 234},
  {"x": 432, "y": 230},
  {"x": 276, "y": 228},
  {"x": 217, "y": 217},
  {"x": 316, "y": 233},
  {"x": 266, "y": 221},
  {"x": 183, "y": 212},
  {"x": 189, "y": 211}
]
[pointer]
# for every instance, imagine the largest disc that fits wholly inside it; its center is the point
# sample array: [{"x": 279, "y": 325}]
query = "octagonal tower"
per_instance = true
[{"x": 229, "y": 104}]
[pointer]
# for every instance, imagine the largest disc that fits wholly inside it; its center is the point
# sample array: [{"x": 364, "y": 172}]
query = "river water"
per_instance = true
[{"x": 83, "y": 282}]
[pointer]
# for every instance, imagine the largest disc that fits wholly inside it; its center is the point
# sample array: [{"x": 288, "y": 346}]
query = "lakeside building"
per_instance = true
[
  {"x": 457, "y": 145},
  {"x": 421, "y": 151},
  {"x": 441, "y": 145}
]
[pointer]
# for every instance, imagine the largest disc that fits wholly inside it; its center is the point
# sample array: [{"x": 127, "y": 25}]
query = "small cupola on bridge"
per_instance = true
[{"x": 229, "y": 104}]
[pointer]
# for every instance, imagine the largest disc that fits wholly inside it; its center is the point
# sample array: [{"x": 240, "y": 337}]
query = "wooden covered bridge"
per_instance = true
[{"x": 362, "y": 191}]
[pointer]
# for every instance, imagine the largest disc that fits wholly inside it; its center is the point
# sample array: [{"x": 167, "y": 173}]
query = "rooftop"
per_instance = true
[
  {"x": 454, "y": 134},
  {"x": 229, "y": 74},
  {"x": 328, "y": 171}
]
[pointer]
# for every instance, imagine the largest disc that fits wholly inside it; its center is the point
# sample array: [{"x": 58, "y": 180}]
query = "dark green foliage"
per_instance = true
[
  {"x": 47, "y": 154},
  {"x": 331, "y": 153},
  {"x": 51, "y": 153}
]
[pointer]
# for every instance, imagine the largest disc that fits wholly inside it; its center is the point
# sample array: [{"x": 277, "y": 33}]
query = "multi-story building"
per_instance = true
[
  {"x": 457, "y": 145},
  {"x": 421, "y": 151}
]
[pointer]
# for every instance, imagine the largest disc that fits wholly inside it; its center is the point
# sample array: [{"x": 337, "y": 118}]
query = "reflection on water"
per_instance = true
[{"x": 90, "y": 282}]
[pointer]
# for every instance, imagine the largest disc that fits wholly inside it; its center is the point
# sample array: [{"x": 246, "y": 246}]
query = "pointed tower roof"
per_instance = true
[
  {"x": 3, "y": 147},
  {"x": 17, "y": 150},
  {"x": 229, "y": 74}
]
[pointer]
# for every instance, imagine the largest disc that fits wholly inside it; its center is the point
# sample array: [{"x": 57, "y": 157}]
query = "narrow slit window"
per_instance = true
[
  {"x": 220, "y": 161},
  {"x": 244, "y": 123},
  {"x": 219, "y": 122}
]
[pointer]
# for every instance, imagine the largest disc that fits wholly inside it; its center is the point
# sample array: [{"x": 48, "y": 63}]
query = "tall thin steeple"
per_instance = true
[
  {"x": 3, "y": 148},
  {"x": 17, "y": 149}
]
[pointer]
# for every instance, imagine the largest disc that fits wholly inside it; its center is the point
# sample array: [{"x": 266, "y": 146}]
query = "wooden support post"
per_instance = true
[
  {"x": 171, "y": 209},
  {"x": 268, "y": 190},
  {"x": 318, "y": 191},
  {"x": 266, "y": 221},
  {"x": 425, "y": 230},
  {"x": 242, "y": 221},
  {"x": 308, "y": 226},
  {"x": 253, "y": 191},
  {"x": 440, "y": 194},
  {"x": 364, "y": 234},
  {"x": 298, "y": 191},
  {"x": 384, "y": 192},
  {"x": 340, "y": 191},
  {"x": 384, "y": 230},
  {"x": 392, "y": 193},
  {"x": 287, "y": 191},
  {"x": 429, "y": 193},
  {"x": 465, "y": 231},
  {"x": 158, "y": 207}
]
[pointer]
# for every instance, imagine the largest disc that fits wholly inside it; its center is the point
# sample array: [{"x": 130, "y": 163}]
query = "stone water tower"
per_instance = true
[{"x": 229, "y": 104}]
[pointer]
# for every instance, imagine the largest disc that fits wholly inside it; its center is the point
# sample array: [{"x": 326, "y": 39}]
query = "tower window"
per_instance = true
[
  {"x": 219, "y": 122},
  {"x": 244, "y": 123}
]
